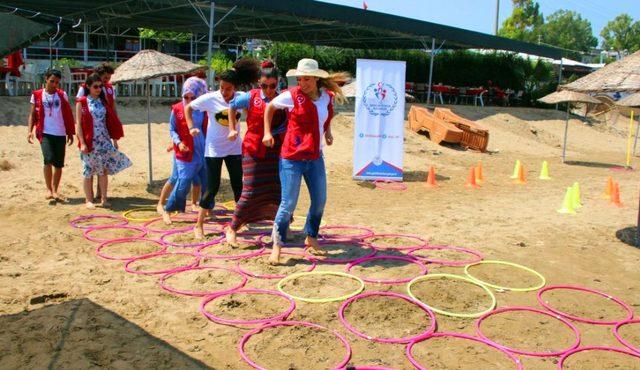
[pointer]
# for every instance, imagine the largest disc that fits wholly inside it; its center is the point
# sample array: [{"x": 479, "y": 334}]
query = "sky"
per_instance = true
[{"x": 479, "y": 15}]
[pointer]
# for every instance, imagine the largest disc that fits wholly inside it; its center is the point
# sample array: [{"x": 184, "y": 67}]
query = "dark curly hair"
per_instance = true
[
  {"x": 103, "y": 68},
  {"x": 245, "y": 71},
  {"x": 91, "y": 79}
]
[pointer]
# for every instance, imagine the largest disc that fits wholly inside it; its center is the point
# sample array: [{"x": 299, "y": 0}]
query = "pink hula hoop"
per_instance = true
[
  {"x": 147, "y": 225},
  {"x": 75, "y": 221},
  {"x": 221, "y": 320},
  {"x": 89, "y": 230},
  {"x": 249, "y": 254},
  {"x": 594, "y": 348},
  {"x": 248, "y": 335},
  {"x": 528, "y": 353},
  {"x": 272, "y": 276},
  {"x": 421, "y": 241},
  {"x": 346, "y": 324},
  {"x": 188, "y": 245},
  {"x": 390, "y": 185},
  {"x": 323, "y": 259},
  {"x": 365, "y": 232},
  {"x": 163, "y": 282},
  {"x": 285, "y": 245},
  {"x": 423, "y": 268},
  {"x": 195, "y": 262},
  {"x": 124, "y": 240},
  {"x": 626, "y": 343},
  {"x": 415, "y": 363},
  {"x": 365, "y": 367},
  {"x": 583, "y": 319},
  {"x": 478, "y": 256}
]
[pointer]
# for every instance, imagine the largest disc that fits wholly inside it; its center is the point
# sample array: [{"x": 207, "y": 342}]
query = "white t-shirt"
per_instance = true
[
  {"x": 80, "y": 93},
  {"x": 216, "y": 143},
  {"x": 53, "y": 119},
  {"x": 285, "y": 101}
]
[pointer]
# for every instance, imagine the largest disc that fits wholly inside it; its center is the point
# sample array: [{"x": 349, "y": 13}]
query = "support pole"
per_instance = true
[
  {"x": 629, "y": 136},
  {"x": 433, "y": 47},
  {"x": 566, "y": 128},
  {"x": 560, "y": 80},
  {"x": 191, "y": 48},
  {"x": 636, "y": 139},
  {"x": 495, "y": 29},
  {"x": 210, "y": 71},
  {"x": 149, "y": 132},
  {"x": 85, "y": 43}
]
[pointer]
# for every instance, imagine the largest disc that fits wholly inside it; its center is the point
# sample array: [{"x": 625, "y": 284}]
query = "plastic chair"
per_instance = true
[{"x": 478, "y": 98}]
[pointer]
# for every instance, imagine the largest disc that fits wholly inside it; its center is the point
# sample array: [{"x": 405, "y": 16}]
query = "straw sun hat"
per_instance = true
[{"x": 308, "y": 67}]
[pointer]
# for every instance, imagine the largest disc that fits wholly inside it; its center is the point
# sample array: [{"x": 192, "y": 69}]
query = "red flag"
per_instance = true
[{"x": 364, "y": 5}]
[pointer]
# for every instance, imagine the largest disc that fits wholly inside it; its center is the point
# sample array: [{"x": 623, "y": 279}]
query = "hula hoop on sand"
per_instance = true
[
  {"x": 455, "y": 277},
  {"x": 220, "y": 320},
  {"x": 364, "y": 232},
  {"x": 253, "y": 332},
  {"x": 584, "y": 319},
  {"x": 365, "y": 367},
  {"x": 477, "y": 255},
  {"x": 321, "y": 300},
  {"x": 147, "y": 225},
  {"x": 248, "y": 254},
  {"x": 127, "y": 214},
  {"x": 420, "y": 242},
  {"x": 163, "y": 282},
  {"x": 271, "y": 276},
  {"x": 390, "y": 185},
  {"x": 594, "y": 348},
  {"x": 325, "y": 259},
  {"x": 125, "y": 240},
  {"x": 616, "y": 333},
  {"x": 188, "y": 245},
  {"x": 345, "y": 304},
  {"x": 423, "y": 268},
  {"x": 415, "y": 363},
  {"x": 575, "y": 344},
  {"x": 87, "y": 232},
  {"x": 74, "y": 222},
  {"x": 542, "y": 283},
  {"x": 194, "y": 263}
]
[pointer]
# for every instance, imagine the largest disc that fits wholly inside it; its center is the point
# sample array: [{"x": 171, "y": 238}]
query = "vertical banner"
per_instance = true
[{"x": 379, "y": 130}]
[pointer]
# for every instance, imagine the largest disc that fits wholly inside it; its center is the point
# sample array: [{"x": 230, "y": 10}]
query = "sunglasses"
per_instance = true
[
  {"x": 270, "y": 86},
  {"x": 96, "y": 86},
  {"x": 189, "y": 97}
]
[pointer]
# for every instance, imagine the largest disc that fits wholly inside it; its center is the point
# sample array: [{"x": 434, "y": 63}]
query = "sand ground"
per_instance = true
[{"x": 62, "y": 307}]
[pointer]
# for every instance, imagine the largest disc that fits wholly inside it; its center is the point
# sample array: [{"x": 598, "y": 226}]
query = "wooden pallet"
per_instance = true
[
  {"x": 439, "y": 129},
  {"x": 474, "y": 135}
]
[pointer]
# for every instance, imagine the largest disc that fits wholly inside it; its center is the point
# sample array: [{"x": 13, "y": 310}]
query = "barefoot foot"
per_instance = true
[
  {"x": 90, "y": 205},
  {"x": 274, "y": 257},
  {"x": 166, "y": 217},
  {"x": 230, "y": 236},
  {"x": 198, "y": 232},
  {"x": 314, "y": 246},
  {"x": 159, "y": 208}
]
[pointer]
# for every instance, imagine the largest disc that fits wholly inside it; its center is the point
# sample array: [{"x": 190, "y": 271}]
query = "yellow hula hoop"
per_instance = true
[
  {"x": 543, "y": 281},
  {"x": 137, "y": 219},
  {"x": 455, "y": 277},
  {"x": 321, "y": 300}
]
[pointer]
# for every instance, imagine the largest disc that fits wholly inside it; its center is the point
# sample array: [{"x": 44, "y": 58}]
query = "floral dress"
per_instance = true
[{"x": 104, "y": 155}]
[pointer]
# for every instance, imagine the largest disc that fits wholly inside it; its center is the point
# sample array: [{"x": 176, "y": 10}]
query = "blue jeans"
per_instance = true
[
  {"x": 186, "y": 174},
  {"x": 291, "y": 174}
]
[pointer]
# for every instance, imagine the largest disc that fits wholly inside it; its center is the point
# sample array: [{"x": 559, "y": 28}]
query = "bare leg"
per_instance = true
[
  {"x": 230, "y": 235},
  {"x": 103, "y": 182},
  {"x": 48, "y": 175},
  {"x": 57, "y": 176},
  {"x": 164, "y": 194},
  {"x": 87, "y": 184},
  {"x": 198, "y": 230},
  {"x": 195, "y": 198},
  {"x": 274, "y": 257}
]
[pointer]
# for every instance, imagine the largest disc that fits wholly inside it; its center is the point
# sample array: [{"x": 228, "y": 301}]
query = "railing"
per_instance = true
[{"x": 93, "y": 55}]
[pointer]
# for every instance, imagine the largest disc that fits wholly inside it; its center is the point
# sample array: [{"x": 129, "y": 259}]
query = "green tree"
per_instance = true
[
  {"x": 525, "y": 22},
  {"x": 621, "y": 34},
  {"x": 161, "y": 36},
  {"x": 568, "y": 30}
]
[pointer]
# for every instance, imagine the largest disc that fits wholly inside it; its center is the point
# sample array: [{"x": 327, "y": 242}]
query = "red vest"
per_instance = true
[
  {"x": 183, "y": 132},
  {"x": 109, "y": 95},
  {"x": 302, "y": 140},
  {"x": 114, "y": 127},
  {"x": 38, "y": 117},
  {"x": 252, "y": 142}
]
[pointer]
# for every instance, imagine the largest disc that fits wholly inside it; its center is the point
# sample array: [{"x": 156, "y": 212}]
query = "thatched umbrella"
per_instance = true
[
  {"x": 566, "y": 96},
  {"x": 631, "y": 101},
  {"x": 148, "y": 64},
  {"x": 622, "y": 75}
]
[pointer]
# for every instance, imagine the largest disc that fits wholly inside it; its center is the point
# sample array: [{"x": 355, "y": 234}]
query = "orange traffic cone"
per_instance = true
[
  {"x": 608, "y": 189},
  {"x": 615, "y": 195},
  {"x": 521, "y": 178},
  {"x": 471, "y": 181},
  {"x": 431, "y": 178},
  {"x": 479, "y": 174}
]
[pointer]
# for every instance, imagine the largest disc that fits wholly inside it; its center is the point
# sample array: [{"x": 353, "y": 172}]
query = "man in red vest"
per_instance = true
[{"x": 51, "y": 122}]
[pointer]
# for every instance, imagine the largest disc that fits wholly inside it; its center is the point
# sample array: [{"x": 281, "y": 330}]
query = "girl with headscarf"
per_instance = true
[{"x": 188, "y": 149}]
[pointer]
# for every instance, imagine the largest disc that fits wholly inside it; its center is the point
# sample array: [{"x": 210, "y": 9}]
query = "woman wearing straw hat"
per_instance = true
[{"x": 310, "y": 106}]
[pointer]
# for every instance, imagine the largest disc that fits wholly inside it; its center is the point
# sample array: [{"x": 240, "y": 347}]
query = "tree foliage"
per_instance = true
[
  {"x": 568, "y": 30},
  {"x": 621, "y": 34},
  {"x": 525, "y": 22}
]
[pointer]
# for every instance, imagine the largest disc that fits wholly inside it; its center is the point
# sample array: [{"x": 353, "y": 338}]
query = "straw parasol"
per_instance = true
[
  {"x": 632, "y": 101},
  {"x": 148, "y": 64},
  {"x": 566, "y": 96},
  {"x": 622, "y": 75}
]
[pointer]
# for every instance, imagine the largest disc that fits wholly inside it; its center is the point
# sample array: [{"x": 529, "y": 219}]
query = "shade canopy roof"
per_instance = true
[{"x": 302, "y": 21}]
